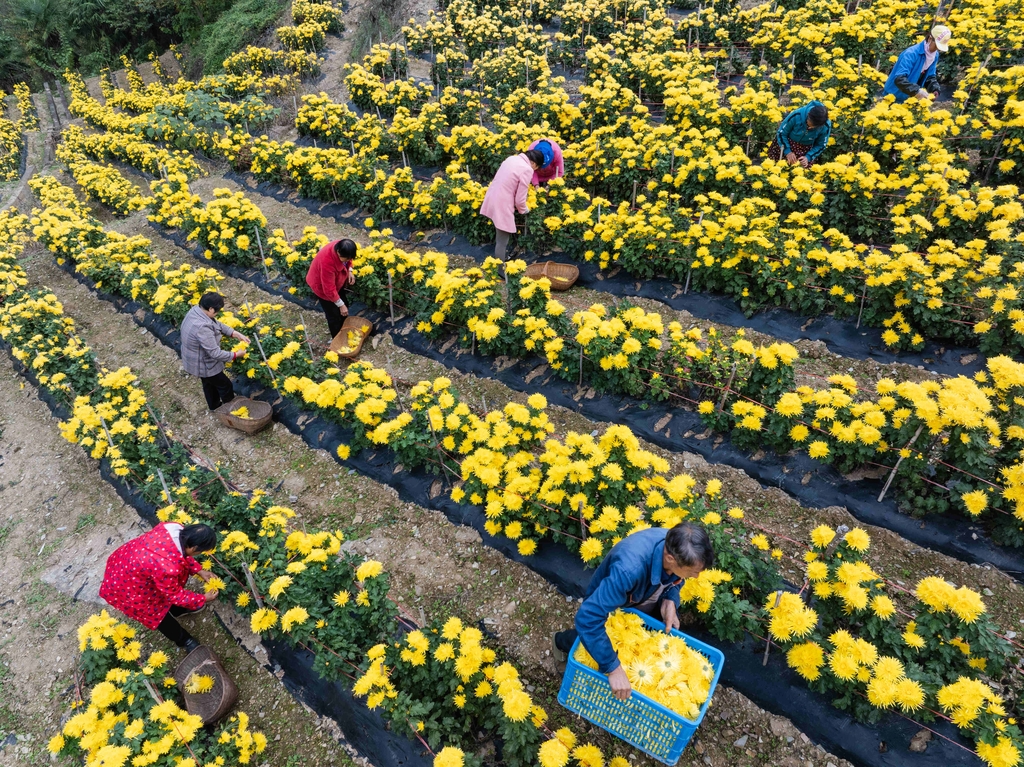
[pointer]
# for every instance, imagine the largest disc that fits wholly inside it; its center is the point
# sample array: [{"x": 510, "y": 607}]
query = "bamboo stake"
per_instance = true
[
  {"x": 725, "y": 392},
  {"x": 391, "y": 298},
  {"x": 768, "y": 644},
  {"x": 305, "y": 332},
  {"x": 159, "y": 426},
  {"x": 862, "y": 297},
  {"x": 110, "y": 439},
  {"x": 263, "y": 258},
  {"x": 256, "y": 336},
  {"x": 892, "y": 474},
  {"x": 163, "y": 482},
  {"x": 252, "y": 587}
]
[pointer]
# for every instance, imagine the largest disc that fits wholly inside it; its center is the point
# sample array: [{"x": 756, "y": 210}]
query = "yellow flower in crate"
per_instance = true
[{"x": 659, "y": 666}]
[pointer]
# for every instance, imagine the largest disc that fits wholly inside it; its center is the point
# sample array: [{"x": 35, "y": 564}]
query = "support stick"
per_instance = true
[
  {"x": 263, "y": 258},
  {"x": 728, "y": 385},
  {"x": 252, "y": 587},
  {"x": 159, "y": 426},
  {"x": 305, "y": 332},
  {"x": 768, "y": 644},
  {"x": 110, "y": 439},
  {"x": 256, "y": 336},
  {"x": 391, "y": 298},
  {"x": 862, "y": 297},
  {"x": 163, "y": 483},
  {"x": 892, "y": 474}
]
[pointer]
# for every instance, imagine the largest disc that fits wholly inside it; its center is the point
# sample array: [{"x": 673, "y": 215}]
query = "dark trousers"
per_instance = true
[
  {"x": 333, "y": 315},
  {"x": 217, "y": 390},
  {"x": 171, "y": 629},
  {"x": 564, "y": 640}
]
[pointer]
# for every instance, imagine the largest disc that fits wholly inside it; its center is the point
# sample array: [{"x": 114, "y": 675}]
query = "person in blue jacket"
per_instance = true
[
  {"x": 803, "y": 135},
  {"x": 643, "y": 571},
  {"x": 914, "y": 72}
]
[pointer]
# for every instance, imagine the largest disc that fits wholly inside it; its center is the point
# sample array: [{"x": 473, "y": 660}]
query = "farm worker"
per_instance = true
[
  {"x": 643, "y": 571},
  {"x": 145, "y": 578},
  {"x": 803, "y": 135},
  {"x": 552, "y": 167},
  {"x": 914, "y": 72},
  {"x": 330, "y": 273},
  {"x": 201, "y": 354},
  {"x": 507, "y": 194}
]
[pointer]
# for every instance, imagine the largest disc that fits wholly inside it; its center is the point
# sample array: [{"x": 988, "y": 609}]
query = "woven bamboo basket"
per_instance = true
[
  {"x": 260, "y": 415},
  {"x": 562, "y": 276},
  {"x": 340, "y": 344},
  {"x": 213, "y": 705}
]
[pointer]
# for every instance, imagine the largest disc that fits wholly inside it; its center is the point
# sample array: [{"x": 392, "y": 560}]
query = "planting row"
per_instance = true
[
  {"x": 130, "y": 709},
  {"x": 535, "y": 485},
  {"x": 12, "y": 141}
]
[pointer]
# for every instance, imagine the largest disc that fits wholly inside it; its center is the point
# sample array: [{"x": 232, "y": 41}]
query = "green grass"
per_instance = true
[
  {"x": 236, "y": 28},
  {"x": 85, "y": 521}
]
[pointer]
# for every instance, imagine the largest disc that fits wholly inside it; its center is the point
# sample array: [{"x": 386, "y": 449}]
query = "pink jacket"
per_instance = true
[
  {"x": 507, "y": 192},
  {"x": 555, "y": 169}
]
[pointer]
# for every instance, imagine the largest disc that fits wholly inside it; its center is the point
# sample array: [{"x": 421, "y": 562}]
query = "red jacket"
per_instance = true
[
  {"x": 328, "y": 274},
  {"x": 147, "y": 575}
]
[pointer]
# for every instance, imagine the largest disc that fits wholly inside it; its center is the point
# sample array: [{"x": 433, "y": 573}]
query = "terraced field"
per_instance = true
[{"x": 775, "y": 353}]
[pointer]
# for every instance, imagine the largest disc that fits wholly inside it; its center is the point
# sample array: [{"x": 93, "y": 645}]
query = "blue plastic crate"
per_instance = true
[{"x": 644, "y": 724}]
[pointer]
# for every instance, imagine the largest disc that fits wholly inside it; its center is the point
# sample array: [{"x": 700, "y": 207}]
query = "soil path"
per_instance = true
[{"x": 60, "y": 521}]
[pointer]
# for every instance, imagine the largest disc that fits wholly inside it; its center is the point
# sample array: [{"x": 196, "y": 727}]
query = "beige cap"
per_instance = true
[{"x": 941, "y": 35}]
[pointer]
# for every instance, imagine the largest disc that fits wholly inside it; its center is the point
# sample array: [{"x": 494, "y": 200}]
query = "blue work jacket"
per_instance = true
[
  {"x": 628, "y": 576},
  {"x": 909, "y": 65},
  {"x": 794, "y": 128}
]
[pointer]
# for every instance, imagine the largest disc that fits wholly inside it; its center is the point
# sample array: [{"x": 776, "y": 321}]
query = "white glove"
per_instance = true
[{"x": 923, "y": 95}]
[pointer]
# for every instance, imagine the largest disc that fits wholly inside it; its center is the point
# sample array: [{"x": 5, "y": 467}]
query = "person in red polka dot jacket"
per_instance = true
[{"x": 145, "y": 578}]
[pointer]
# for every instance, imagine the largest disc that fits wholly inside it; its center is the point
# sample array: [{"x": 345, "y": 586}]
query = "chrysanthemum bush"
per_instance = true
[
  {"x": 931, "y": 656},
  {"x": 288, "y": 563},
  {"x": 133, "y": 712},
  {"x": 28, "y": 120},
  {"x": 265, "y": 61},
  {"x": 11, "y": 145},
  {"x": 104, "y": 183},
  {"x": 229, "y": 226}
]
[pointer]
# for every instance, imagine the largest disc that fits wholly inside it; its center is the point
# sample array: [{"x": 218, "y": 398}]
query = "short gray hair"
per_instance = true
[{"x": 690, "y": 546}]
